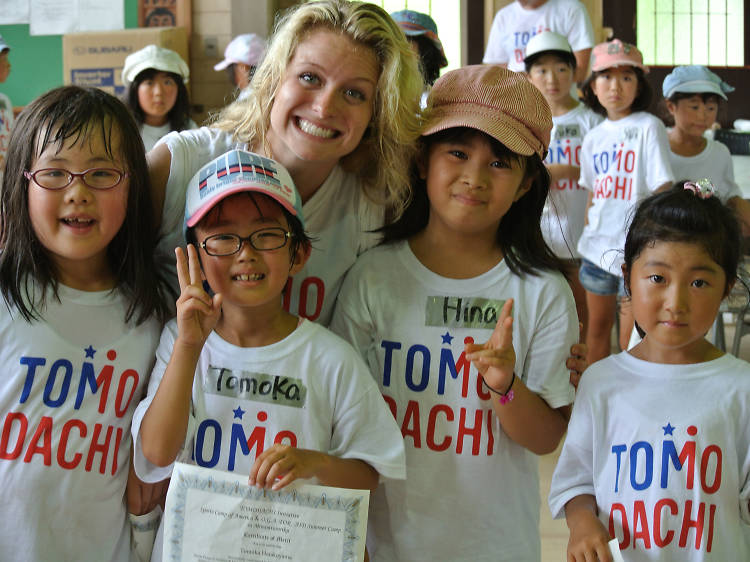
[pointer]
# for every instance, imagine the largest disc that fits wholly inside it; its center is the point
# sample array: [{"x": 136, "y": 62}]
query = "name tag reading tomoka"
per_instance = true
[
  {"x": 463, "y": 312},
  {"x": 257, "y": 387}
]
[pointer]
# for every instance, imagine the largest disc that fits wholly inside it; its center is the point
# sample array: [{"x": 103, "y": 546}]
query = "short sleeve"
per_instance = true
[
  {"x": 586, "y": 178},
  {"x": 545, "y": 372},
  {"x": 574, "y": 473},
  {"x": 581, "y": 33},
  {"x": 494, "y": 53},
  {"x": 658, "y": 170},
  {"x": 144, "y": 469},
  {"x": 364, "y": 428},
  {"x": 729, "y": 187}
]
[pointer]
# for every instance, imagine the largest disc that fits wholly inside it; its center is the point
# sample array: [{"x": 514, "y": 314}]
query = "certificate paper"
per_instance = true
[{"x": 215, "y": 516}]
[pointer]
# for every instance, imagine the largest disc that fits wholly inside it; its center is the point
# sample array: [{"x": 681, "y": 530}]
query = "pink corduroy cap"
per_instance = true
[
  {"x": 494, "y": 100},
  {"x": 616, "y": 53}
]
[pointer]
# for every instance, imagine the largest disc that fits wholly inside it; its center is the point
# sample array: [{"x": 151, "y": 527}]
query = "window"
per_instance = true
[
  {"x": 707, "y": 32},
  {"x": 447, "y": 16}
]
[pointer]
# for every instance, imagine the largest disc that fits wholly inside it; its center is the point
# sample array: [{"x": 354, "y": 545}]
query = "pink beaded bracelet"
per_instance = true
[{"x": 506, "y": 396}]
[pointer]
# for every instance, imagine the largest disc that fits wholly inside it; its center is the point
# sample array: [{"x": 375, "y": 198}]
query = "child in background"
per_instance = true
[
  {"x": 692, "y": 95},
  {"x": 422, "y": 33},
  {"x": 551, "y": 66},
  {"x": 467, "y": 264},
  {"x": 156, "y": 94},
  {"x": 6, "y": 107},
  {"x": 658, "y": 448},
  {"x": 79, "y": 327},
  {"x": 241, "y": 57},
  {"x": 623, "y": 159},
  {"x": 245, "y": 234}
]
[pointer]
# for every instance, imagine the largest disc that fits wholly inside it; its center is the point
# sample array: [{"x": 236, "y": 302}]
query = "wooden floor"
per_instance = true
[{"x": 554, "y": 532}]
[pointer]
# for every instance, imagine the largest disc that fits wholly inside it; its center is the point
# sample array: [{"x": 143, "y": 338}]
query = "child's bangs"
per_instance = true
[
  {"x": 467, "y": 134},
  {"x": 78, "y": 129}
]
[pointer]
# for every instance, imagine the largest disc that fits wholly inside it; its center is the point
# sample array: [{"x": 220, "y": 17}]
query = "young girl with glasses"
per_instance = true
[
  {"x": 83, "y": 310},
  {"x": 235, "y": 362}
]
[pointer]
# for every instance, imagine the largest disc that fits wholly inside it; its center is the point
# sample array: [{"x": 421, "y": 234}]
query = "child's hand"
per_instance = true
[
  {"x": 143, "y": 497},
  {"x": 588, "y": 536},
  {"x": 286, "y": 463},
  {"x": 496, "y": 359},
  {"x": 588, "y": 541},
  {"x": 197, "y": 312},
  {"x": 577, "y": 362}
]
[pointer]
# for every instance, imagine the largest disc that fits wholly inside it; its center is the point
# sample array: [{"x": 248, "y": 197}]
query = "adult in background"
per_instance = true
[
  {"x": 335, "y": 101},
  {"x": 518, "y": 22}
]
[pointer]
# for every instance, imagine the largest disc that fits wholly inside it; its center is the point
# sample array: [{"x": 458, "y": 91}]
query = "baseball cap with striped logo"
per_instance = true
[
  {"x": 239, "y": 171},
  {"x": 494, "y": 100}
]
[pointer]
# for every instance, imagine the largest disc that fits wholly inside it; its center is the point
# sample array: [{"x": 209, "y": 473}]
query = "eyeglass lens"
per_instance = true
[{"x": 227, "y": 244}]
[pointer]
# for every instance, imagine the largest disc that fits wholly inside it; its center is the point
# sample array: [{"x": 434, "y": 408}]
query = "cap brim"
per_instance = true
[
  {"x": 223, "y": 64},
  {"x": 504, "y": 129},
  {"x": 620, "y": 63},
  {"x": 697, "y": 87}
]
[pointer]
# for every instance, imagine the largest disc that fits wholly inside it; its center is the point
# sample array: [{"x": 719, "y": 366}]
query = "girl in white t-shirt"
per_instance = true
[
  {"x": 335, "y": 101},
  {"x": 657, "y": 454},
  {"x": 79, "y": 325},
  {"x": 155, "y": 78},
  {"x": 692, "y": 95},
  {"x": 623, "y": 159},
  {"x": 465, "y": 264}
]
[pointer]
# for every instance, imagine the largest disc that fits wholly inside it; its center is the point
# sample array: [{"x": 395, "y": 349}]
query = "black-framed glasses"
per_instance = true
[
  {"x": 60, "y": 178},
  {"x": 265, "y": 239}
]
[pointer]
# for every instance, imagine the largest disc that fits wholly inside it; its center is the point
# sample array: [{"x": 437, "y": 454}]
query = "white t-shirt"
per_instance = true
[
  {"x": 622, "y": 162},
  {"x": 6, "y": 124},
  {"x": 338, "y": 217},
  {"x": 67, "y": 399},
  {"x": 663, "y": 447},
  {"x": 310, "y": 390},
  {"x": 471, "y": 493},
  {"x": 714, "y": 162},
  {"x": 565, "y": 209},
  {"x": 151, "y": 134},
  {"x": 514, "y": 25}
]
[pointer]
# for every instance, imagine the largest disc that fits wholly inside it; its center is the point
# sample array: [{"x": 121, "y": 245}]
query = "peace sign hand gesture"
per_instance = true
[
  {"x": 197, "y": 312},
  {"x": 496, "y": 359}
]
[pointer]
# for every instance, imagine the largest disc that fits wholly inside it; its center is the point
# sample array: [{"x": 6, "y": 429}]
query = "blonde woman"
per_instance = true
[{"x": 336, "y": 101}]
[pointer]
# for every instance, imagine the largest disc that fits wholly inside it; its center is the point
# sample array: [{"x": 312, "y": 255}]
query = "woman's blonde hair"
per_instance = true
[{"x": 383, "y": 156}]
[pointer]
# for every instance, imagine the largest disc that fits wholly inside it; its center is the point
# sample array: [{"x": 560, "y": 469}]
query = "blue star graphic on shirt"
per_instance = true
[
  {"x": 238, "y": 413},
  {"x": 90, "y": 351},
  {"x": 447, "y": 338},
  {"x": 668, "y": 429}
]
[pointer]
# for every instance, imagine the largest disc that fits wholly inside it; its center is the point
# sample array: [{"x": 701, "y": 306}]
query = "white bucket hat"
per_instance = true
[
  {"x": 246, "y": 49},
  {"x": 158, "y": 58}
]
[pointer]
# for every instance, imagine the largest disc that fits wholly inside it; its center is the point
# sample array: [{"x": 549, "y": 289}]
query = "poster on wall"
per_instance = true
[
  {"x": 57, "y": 17},
  {"x": 14, "y": 11},
  {"x": 164, "y": 13}
]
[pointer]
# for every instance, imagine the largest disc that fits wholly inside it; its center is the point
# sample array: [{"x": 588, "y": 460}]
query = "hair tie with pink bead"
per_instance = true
[{"x": 702, "y": 188}]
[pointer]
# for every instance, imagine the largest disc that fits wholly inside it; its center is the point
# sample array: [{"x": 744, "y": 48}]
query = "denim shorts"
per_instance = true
[{"x": 599, "y": 281}]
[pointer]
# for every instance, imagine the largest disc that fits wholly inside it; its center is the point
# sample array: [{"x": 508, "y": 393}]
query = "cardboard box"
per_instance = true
[{"x": 96, "y": 59}]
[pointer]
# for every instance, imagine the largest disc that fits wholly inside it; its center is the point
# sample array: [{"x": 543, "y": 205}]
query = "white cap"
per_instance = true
[
  {"x": 158, "y": 58},
  {"x": 247, "y": 49},
  {"x": 3, "y": 45},
  {"x": 547, "y": 41}
]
